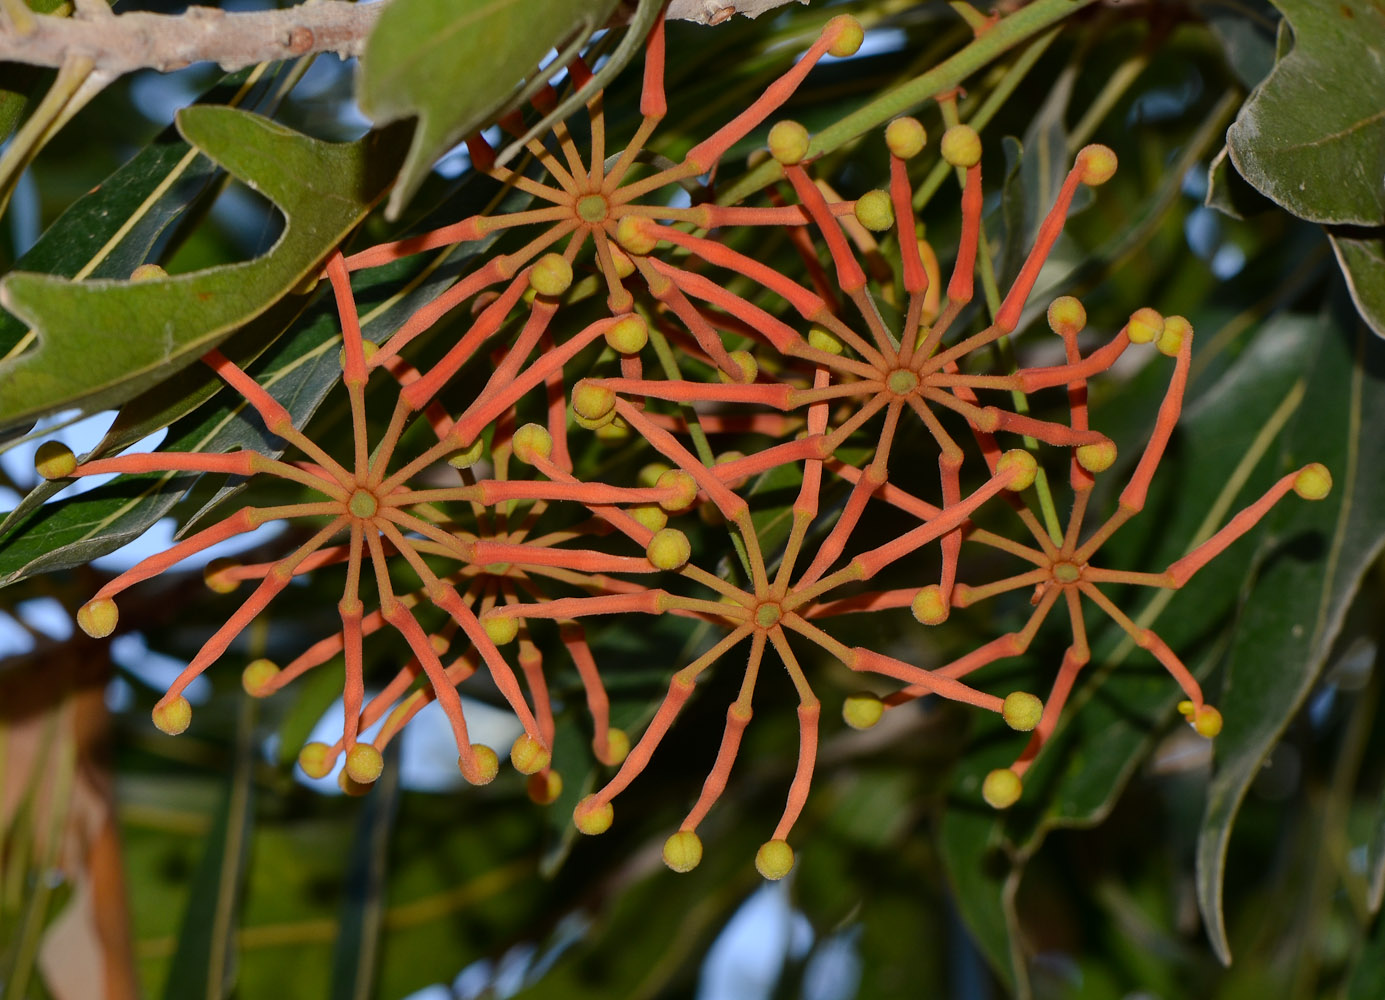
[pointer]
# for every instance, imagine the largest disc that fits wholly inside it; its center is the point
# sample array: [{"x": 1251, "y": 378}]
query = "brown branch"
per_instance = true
[{"x": 120, "y": 43}]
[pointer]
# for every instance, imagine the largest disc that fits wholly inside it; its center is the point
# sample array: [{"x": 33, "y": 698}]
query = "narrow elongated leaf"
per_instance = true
[
  {"x": 456, "y": 65},
  {"x": 95, "y": 346},
  {"x": 204, "y": 964},
  {"x": 1314, "y": 557},
  {"x": 1312, "y": 135},
  {"x": 358, "y": 934}
]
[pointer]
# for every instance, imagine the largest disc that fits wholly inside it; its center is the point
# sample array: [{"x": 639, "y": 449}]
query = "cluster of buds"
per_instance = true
[{"x": 466, "y": 525}]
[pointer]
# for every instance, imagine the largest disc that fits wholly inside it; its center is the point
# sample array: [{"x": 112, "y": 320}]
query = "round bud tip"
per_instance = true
[
  {"x": 1002, "y": 788},
  {"x": 850, "y": 34},
  {"x": 651, "y": 515},
  {"x": 500, "y": 629},
  {"x": 1207, "y": 721},
  {"x": 315, "y": 759},
  {"x": 774, "y": 859},
  {"x": 1021, "y": 711},
  {"x": 1096, "y": 164},
  {"x": 961, "y": 146},
  {"x": 592, "y": 817},
  {"x": 863, "y": 710},
  {"x": 468, "y": 456},
  {"x": 905, "y": 137},
  {"x": 821, "y": 340},
  {"x": 928, "y": 605},
  {"x": 617, "y": 747},
  {"x": 683, "y": 851},
  {"x": 1145, "y": 325},
  {"x": 54, "y": 460},
  {"x": 532, "y": 442},
  {"x": 173, "y": 715},
  {"x": 217, "y": 577},
  {"x": 1066, "y": 315},
  {"x": 1020, "y": 466},
  {"x": 681, "y": 487},
  {"x": 788, "y": 142},
  {"x": 528, "y": 755},
  {"x": 258, "y": 677},
  {"x": 148, "y": 272},
  {"x": 544, "y": 788},
  {"x": 669, "y": 549},
  {"x": 875, "y": 211},
  {"x": 350, "y": 787},
  {"x": 1313, "y": 482},
  {"x": 98, "y": 618},
  {"x": 550, "y": 275},
  {"x": 629, "y": 334},
  {"x": 1097, "y": 457},
  {"x": 594, "y": 402},
  {"x": 484, "y": 766},
  {"x": 1177, "y": 332},
  {"x": 744, "y": 369},
  {"x": 364, "y": 764},
  {"x": 633, "y": 234}
]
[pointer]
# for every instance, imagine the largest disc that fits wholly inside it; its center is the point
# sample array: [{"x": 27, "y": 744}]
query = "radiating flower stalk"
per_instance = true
[{"x": 459, "y": 544}]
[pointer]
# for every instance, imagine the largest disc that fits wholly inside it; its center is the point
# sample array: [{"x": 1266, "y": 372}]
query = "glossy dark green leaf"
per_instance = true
[
  {"x": 1313, "y": 557},
  {"x": 1247, "y": 36},
  {"x": 1312, "y": 135},
  {"x": 298, "y": 371},
  {"x": 1361, "y": 254},
  {"x": 94, "y": 345},
  {"x": 1229, "y": 193},
  {"x": 455, "y": 66}
]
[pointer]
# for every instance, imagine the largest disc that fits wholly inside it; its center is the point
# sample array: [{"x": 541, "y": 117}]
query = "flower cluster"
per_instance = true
[{"x": 466, "y": 513}]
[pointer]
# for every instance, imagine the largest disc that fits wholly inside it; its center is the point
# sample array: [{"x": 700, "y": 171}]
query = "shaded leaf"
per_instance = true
[
  {"x": 1312, "y": 136},
  {"x": 1229, "y": 193},
  {"x": 1313, "y": 558},
  {"x": 1361, "y": 254},
  {"x": 94, "y": 343},
  {"x": 1247, "y": 36},
  {"x": 456, "y": 66}
]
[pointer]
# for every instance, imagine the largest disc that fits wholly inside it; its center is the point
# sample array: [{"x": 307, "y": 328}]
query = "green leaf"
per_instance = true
[
  {"x": 110, "y": 230},
  {"x": 1229, "y": 193},
  {"x": 457, "y": 65},
  {"x": 298, "y": 371},
  {"x": 204, "y": 964},
  {"x": 1312, "y": 136},
  {"x": 1361, "y": 254},
  {"x": 1246, "y": 33},
  {"x": 1313, "y": 559},
  {"x": 95, "y": 342}
]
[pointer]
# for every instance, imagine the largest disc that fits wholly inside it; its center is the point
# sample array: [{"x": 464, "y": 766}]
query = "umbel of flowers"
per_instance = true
[{"x": 491, "y": 524}]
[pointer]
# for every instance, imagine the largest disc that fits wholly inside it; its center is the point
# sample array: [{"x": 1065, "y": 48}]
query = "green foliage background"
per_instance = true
[{"x": 1137, "y": 861}]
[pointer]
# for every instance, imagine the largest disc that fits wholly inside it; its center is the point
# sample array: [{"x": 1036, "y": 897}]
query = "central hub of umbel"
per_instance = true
[
  {"x": 1066, "y": 572},
  {"x": 363, "y": 504},
  {"x": 592, "y": 208},
  {"x": 768, "y": 614},
  {"x": 902, "y": 382}
]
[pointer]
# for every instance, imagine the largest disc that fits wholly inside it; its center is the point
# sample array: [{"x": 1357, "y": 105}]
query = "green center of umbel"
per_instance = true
[
  {"x": 902, "y": 382},
  {"x": 767, "y": 614},
  {"x": 592, "y": 208},
  {"x": 1066, "y": 572},
  {"x": 363, "y": 504}
]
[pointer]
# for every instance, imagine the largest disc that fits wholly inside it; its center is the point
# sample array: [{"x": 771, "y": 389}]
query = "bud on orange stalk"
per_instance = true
[
  {"x": 788, "y": 142},
  {"x": 683, "y": 851},
  {"x": 774, "y": 859}
]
